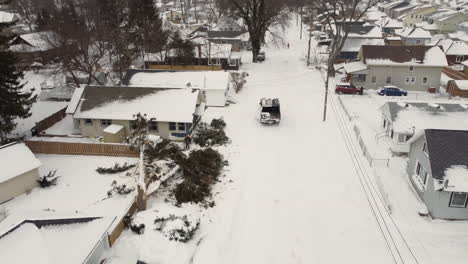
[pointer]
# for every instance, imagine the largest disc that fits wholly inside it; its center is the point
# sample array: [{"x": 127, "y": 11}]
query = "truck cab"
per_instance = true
[{"x": 270, "y": 111}]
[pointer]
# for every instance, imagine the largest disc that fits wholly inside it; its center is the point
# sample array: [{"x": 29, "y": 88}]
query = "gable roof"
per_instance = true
[
  {"x": 17, "y": 159},
  {"x": 404, "y": 55},
  {"x": 446, "y": 148},
  {"x": 457, "y": 48},
  {"x": 122, "y": 102},
  {"x": 414, "y": 33},
  {"x": 224, "y": 34}
]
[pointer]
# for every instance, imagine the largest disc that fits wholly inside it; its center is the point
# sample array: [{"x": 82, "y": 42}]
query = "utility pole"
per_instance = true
[
  {"x": 300, "y": 14},
  {"x": 310, "y": 38}
]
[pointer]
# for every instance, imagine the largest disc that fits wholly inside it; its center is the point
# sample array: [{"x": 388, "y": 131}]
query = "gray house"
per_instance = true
[
  {"x": 402, "y": 120},
  {"x": 437, "y": 168},
  {"x": 19, "y": 172},
  {"x": 414, "y": 68}
]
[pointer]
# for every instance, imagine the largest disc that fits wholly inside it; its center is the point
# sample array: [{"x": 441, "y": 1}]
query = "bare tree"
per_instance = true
[
  {"x": 260, "y": 16},
  {"x": 339, "y": 16}
]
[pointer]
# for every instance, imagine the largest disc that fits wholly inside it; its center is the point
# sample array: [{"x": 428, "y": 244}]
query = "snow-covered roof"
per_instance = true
[
  {"x": 7, "y": 17},
  {"x": 404, "y": 56},
  {"x": 39, "y": 243},
  {"x": 39, "y": 41},
  {"x": 75, "y": 100},
  {"x": 414, "y": 33},
  {"x": 358, "y": 31},
  {"x": 391, "y": 23},
  {"x": 354, "y": 66},
  {"x": 113, "y": 129},
  {"x": 462, "y": 84},
  {"x": 355, "y": 44},
  {"x": 457, "y": 48},
  {"x": 205, "y": 49},
  {"x": 457, "y": 179},
  {"x": 123, "y": 102},
  {"x": 205, "y": 80},
  {"x": 16, "y": 159}
]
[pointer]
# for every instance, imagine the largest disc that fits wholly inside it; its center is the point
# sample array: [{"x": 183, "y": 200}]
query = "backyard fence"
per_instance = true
[
  {"x": 96, "y": 149},
  {"x": 345, "y": 110},
  {"x": 120, "y": 227},
  {"x": 186, "y": 67},
  {"x": 365, "y": 152},
  {"x": 50, "y": 121}
]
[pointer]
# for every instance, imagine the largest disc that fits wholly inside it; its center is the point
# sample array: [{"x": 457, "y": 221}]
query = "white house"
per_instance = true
[
  {"x": 214, "y": 84},
  {"x": 19, "y": 172},
  {"x": 414, "y": 36}
]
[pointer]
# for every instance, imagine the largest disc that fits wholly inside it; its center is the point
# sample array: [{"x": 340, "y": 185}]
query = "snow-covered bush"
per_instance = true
[
  {"x": 200, "y": 171},
  {"x": 121, "y": 189},
  {"x": 163, "y": 150},
  {"x": 134, "y": 225},
  {"x": 210, "y": 137},
  {"x": 49, "y": 179},
  {"x": 177, "y": 228},
  {"x": 117, "y": 168},
  {"x": 218, "y": 123}
]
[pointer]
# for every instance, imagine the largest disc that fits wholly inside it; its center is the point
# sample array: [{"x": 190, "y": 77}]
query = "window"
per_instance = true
[
  {"x": 407, "y": 80},
  {"x": 181, "y": 126},
  {"x": 153, "y": 126},
  {"x": 106, "y": 122},
  {"x": 424, "y": 80},
  {"x": 232, "y": 62},
  {"x": 374, "y": 79},
  {"x": 410, "y": 80},
  {"x": 133, "y": 125},
  {"x": 384, "y": 123},
  {"x": 425, "y": 149},
  {"x": 88, "y": 122},
  {"x": 459, "y": 58},
  {"x": 458, "y": 199},
  {"x": 413, "y": 80},
  {"x": 411, "y": 68},
  {"x": 172, "y": 126},
  {"x": 418, "y": 41},
  {"x": 361, "y": 77},
  {"x": 389, "y": 80},
  {"x": 421, "y": 172},
  {"x": 401, "y": 138}
]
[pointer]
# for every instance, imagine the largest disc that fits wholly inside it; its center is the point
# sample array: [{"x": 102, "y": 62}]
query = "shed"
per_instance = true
[
  {"x": 19, "y": 172},
  {"x": 114, "y": 134},
  {"x": 458, "y": 88}
]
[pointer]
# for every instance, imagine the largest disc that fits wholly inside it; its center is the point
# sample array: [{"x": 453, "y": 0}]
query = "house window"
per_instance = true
[
  {"x": 459, "y": 58},
  {"x": 106, "y": 122},
  {"x": 418, "y": 41},
  {"x": 401, "y": 138},
  {"x": 181, "y": 126},
  {"x": 424, "y": 80},
  {"x": 374, "y": 79},
  {"x": 421, "y": 172},
  {"x": 410, "y": 80},
  {"x": 133, "y": 125},
  {"x": 458, "y": 200},
  {"x": 407, "y": 80},
  {"x": 384, "y": 123},
  {"x": 413, "y": 80},
  {"x": 361, "y": 77},
  {"x": 425, "y": 149},
  {"x": 153, "y": 126},
  {"x": 389, "y": 80},
  {"x": 232, "y": 62},
  {"x": 172, "y": 126},
  {"x": 411, "y": 68},
  {"x": 88, "y": 122}
]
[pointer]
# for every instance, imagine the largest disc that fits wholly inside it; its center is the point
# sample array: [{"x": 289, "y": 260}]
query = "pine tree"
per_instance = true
[{"x": 14, "y": 103}]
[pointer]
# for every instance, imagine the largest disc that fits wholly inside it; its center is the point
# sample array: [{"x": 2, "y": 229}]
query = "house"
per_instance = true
[
  {"x": 389, "y": 25},
  {"x": 174, "y": 16},
  {"x": 7, "y": 20},
  {"x": 219, "y": 56},
  {"x": 458, "y": 88},
  {"x": 19, "y": 172},
  {"x": 238, "y": 39},
  {"x": 444, "y": 20},
  {"x": 400, "y": 11},
  {"x": 402, "y": 120},
  {"x": 416, "y": 15},
  {"x": 414, "y": 68},
  {"x": 352, "y": 46},
  {"x": 35, "y": 46},
  {"x": 228, "y": 24},
  {"x": 437, "y": 168},
  {"x": 170, "y": 112},
  {"x": 215, "y": 85},
  {"x": 47, "y": 238},
  {"x": 411, "y": 36},
  {"x": 455, "y": 51}
]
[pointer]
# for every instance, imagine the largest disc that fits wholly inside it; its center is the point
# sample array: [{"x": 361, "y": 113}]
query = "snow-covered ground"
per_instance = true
[{"x": 290, "y": 194}]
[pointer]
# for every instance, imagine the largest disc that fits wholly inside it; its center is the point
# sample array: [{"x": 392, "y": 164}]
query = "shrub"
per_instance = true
[
  {"x": 49, "y": 179},
  {"x": 177, "y": 228},
  {"x": 210, "y": 137},
  {"x": 218, "y": 123},
  {"x": 120, "y": 189},
  {"x": 117, "y": 168},
  {"x": 163, "y": 150}
]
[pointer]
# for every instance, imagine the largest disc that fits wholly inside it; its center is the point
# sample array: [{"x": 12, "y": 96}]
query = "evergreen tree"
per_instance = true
[{"x": 14, "y": 103}]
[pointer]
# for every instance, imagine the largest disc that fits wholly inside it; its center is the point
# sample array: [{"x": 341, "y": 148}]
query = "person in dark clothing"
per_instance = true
[{"x": 188, "y": 141}]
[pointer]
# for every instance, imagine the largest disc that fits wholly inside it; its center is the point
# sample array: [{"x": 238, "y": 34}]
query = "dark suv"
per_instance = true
[
  {"x": 392, "y": 91},
  {"x": 347, "y": 88}
]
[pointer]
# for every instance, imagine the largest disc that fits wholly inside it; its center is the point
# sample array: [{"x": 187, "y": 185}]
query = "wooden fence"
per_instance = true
[
  {"x": 120, "y": 227},
  {"x": 96, "y": 149},
  {"x": 186, "y": 67},
  {"x": 51, "y": 120}
]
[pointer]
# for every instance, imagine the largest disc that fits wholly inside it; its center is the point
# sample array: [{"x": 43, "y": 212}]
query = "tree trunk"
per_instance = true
[
  {"x": 256, "y": 46},
  {"x": 141, "y": 199}
]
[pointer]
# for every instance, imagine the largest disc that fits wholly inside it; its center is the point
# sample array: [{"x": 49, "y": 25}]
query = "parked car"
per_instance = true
[
  {"x": 325, "y": 42},
  {"x": 261, "y": 56},
  {"x": 270, "y": 112},
  {"x": 392, "y": 91},
  {"x": 347, "y": 88}
]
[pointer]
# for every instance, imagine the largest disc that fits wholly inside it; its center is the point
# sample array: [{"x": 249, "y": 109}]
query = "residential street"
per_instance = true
[{"x": 296, "y": 197}]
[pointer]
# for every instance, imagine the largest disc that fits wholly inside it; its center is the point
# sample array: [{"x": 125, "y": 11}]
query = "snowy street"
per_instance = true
[{"x": 296, "y": 197}]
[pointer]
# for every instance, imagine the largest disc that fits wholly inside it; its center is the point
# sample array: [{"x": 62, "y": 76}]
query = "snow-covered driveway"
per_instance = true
[{"x": 296, "y": 197}]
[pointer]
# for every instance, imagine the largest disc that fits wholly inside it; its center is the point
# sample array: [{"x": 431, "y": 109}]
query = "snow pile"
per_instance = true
[
  {"x": 457, "y": 178},
  {"x": 16, "y": 159},
  {"x": 177, "y": 228}
]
